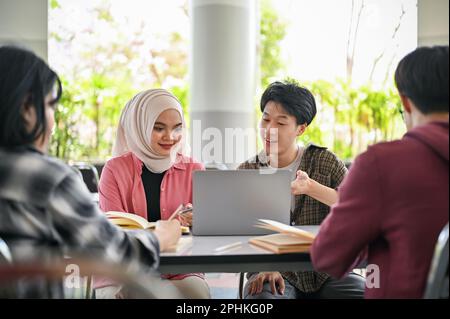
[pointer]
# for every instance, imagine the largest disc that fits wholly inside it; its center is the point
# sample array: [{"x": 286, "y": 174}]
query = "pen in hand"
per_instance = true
[{"x": 175, "y": 213}]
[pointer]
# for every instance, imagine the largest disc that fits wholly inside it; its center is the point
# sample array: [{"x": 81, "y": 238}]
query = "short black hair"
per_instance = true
[
  {"x": 422, "y": 76},
  {"x": 295, "y": 100},
  {"x": 25, "y": 79}
]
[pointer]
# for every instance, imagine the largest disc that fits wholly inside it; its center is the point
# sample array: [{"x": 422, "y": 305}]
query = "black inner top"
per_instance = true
[{"x": 152, "y": 186}]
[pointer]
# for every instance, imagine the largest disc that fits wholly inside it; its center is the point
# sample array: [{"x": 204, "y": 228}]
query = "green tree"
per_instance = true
[
  {"x": 104, "y": 73},
  {"x": 349, "y": 119},
  {"x": 272, "y": 32}
]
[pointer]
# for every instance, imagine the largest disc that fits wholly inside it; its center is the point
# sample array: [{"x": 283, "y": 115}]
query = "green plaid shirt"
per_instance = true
[{"x": 325, "y": 168}]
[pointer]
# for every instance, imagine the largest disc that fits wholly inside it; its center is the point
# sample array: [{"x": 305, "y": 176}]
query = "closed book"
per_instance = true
[{"x": 288, "y": 239}]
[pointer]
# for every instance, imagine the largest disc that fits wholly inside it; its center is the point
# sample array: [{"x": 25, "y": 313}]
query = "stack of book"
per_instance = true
[{"x": 287, "y": 239}]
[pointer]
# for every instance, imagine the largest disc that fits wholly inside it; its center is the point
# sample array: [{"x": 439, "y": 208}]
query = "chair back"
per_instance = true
[
  {"x": 5, "y": 253},
  {"x": 67, "y": 279},
  {"x": 437, "y": 284},
  {"x": 89, "y": 174}
]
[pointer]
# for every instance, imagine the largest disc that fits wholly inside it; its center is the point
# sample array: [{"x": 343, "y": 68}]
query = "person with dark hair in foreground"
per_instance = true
[
  {"x": 46, "y": 211},
  {"x": 394, "y": 202},
  {"x": 288, "y": 109}
]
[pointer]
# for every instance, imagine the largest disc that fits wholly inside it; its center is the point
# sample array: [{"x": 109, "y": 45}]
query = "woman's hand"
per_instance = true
[
  {"x": 168, "y": 233},
  {"x": 186, "y": 218},
  {"x": 256, "y": 283},
  {"x": 302, "y": 184}
]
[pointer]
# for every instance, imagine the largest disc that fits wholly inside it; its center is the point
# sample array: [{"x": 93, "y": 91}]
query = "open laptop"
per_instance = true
[{"x": 231, "y": 202}]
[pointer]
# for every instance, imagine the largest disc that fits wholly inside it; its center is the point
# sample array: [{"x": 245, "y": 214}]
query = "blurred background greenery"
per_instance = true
[{"x": 105, "y": 72}]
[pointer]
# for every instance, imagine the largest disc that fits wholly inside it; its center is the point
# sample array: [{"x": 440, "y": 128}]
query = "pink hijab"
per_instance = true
[{"x": 136, "y": 126}]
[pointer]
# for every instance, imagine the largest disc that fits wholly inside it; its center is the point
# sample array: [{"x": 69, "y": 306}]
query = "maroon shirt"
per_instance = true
[{"x": 395, "y": 202}]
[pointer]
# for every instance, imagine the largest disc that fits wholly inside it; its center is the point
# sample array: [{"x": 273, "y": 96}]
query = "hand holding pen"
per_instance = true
[{"x": 184, "y": 214}]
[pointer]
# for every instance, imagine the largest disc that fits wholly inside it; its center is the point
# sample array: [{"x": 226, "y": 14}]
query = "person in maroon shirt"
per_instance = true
[{"x": 394, "y": 202}]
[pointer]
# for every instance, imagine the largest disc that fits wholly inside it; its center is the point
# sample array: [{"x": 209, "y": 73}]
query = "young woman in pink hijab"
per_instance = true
[{"x": 149, "y": 176}]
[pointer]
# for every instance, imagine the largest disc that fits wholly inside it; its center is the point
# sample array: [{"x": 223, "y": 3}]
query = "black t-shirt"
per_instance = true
[{"x": 152, "y": 186}]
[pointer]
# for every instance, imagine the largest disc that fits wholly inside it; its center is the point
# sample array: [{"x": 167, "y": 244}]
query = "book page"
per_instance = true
[
  {"x": 133, "y": 219},
  {"x": 279, "y": 244},
  {"x": 283, "y": 240},
  {"x": 283, "y": 228}
]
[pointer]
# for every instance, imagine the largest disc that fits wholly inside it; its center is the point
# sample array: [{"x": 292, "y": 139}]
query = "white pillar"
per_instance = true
[
  {"x": 433, "y": 22},
  {"x": 222, "y": 73},
  {"x": 25, "y": 23}
]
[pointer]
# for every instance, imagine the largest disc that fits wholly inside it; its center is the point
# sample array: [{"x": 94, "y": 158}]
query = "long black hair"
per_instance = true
[{"x": 25, "y": 81}]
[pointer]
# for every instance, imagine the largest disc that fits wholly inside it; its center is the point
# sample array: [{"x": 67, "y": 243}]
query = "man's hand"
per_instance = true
[
  {"x": 168, "y": 233},
  {"x": 275, "y": 279},
  {"x": 302, "y": 184}
]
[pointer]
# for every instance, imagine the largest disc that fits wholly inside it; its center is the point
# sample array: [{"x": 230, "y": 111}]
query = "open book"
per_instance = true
[
  {"x": 132, "y": 221},
  {"x": 287, "y": 240}
]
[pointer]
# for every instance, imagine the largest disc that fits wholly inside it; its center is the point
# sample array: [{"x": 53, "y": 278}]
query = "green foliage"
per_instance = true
[
  {"x": 182, "y": 93},
  {"x": 273, "y": 31},
  {"x": 54, "y": 4},
  {"x": 87, "y": 117},
  {"x": 348, "y": 119},
  {"x": 64, "y": 140},
  {"x": 104, "y": 79}
]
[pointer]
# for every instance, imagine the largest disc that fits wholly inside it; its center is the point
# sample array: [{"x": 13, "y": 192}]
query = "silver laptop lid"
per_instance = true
[{"x": 231, "y": 202}]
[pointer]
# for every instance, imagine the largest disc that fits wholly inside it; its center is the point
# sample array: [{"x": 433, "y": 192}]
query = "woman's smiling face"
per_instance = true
[{"x": 167, "y": 132}]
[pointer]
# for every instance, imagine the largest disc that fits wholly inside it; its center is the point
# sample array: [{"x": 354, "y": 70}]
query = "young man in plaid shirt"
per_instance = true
[{"x": 288, "y": 109}]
